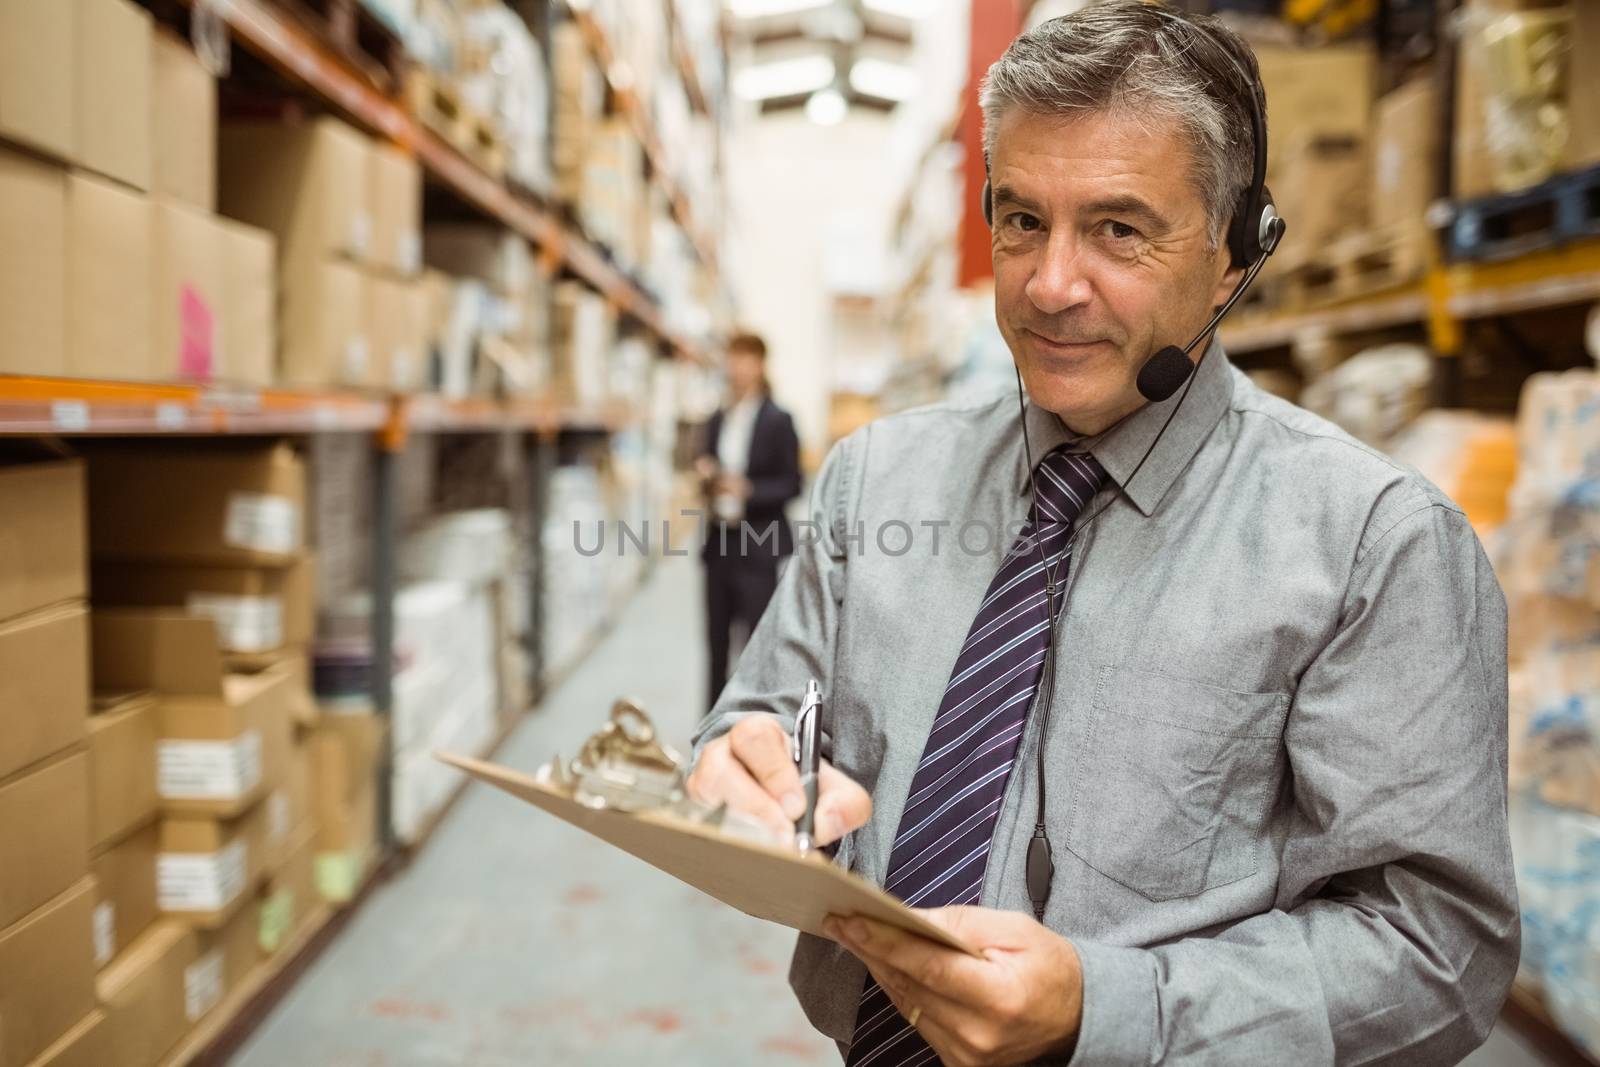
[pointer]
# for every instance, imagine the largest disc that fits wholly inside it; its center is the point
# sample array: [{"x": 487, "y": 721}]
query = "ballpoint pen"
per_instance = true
[{"x": 807, "y": 753}]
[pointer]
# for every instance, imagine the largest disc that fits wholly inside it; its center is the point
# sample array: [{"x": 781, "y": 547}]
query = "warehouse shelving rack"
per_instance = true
[{"x": 76, "y": 408}]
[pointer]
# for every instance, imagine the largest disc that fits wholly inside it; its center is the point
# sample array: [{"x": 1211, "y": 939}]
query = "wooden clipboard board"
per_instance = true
[{"x": 766, "y": 881}]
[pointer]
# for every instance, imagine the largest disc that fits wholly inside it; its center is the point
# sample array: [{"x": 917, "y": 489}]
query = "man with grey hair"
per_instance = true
[{"x": 1268, "y": 754}]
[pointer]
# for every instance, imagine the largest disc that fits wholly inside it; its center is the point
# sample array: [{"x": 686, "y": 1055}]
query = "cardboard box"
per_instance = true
[
  {"x": 44, "y": 834},
  {"x": 220, "y": 732},
  {"x": 323, "y": 335},
  {"x": 398, "y": 342},
  {"x": 187, "y": 296},
  {"x": 125, "y": 891},
  {"x": 113, "y": 88},
  {"x": 249, "y": 304},
  {"x": 290, "y": 897},
  {"x": 45, "y": 560},
  {"x": 1323, "y": 187},
  {"x": 44, "y": 685},
  {"x": 395, "y": 195},
  {"x": 122, "y": 769},
  {"x": 33, "y": 253},
  {"x": 305, "y": 182},
  {"x": 208, "y": 868},
  {"x": 222, "y": 506},
  {"x": 420, "y": 337},
  {"x": 256, "y": 609},
  {"x": 345, "y": 750},
  {"x": 236, "y": 943},
  {"x": 1312, "y": 93},
  {"x": 144, "y": 997},
  {"x": 1583, "y": 86},
  {"x": 289, "y": 806},
  {"x": 86, "y": 1045},
  {"x": 46, "y": 974},
  {"x": 184, "y": 107},
  {"x": 498, "y": 257},
  {"x": 109, "y": 260},
  {"x": 36, "y": 76},
  {"x": 1405, "y": 154}
]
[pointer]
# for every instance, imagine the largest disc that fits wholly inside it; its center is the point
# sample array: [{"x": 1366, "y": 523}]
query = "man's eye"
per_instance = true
[
  {"x": 1120, "y": 231},
  {"x": 1025, "y": 222}
]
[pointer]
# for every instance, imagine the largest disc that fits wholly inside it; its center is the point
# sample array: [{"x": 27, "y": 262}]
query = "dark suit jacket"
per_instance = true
[{"x": 774, "y": 473}]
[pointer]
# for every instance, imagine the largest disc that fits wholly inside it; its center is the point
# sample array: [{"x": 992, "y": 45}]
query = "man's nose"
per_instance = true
[{"x": 1060, "y": 282}]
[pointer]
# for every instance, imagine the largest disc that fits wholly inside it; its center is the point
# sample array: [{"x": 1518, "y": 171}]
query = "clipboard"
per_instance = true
[{"x": 766, "y": 881}]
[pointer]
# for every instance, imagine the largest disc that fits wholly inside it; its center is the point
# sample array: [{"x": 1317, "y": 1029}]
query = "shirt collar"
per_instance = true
[{"x": 1119, "y": 448}]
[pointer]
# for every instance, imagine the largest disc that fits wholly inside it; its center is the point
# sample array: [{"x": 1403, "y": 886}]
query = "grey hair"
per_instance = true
[{"x": 1128, "y": 57}]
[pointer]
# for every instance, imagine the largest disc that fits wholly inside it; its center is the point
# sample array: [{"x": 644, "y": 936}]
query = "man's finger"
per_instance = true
[
  {"x": 727, "y": 782},
  {"x": 762, "y": 746},
  {"x": 842, "y": 805},
  {"x": 944, "y": 970}
]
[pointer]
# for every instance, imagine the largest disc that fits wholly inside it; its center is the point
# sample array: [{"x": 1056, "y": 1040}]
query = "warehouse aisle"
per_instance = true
[{"x": 516, "y": 940}]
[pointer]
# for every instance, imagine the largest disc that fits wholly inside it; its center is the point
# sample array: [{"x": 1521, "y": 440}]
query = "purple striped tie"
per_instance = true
[{"x": 942, "y": 846}]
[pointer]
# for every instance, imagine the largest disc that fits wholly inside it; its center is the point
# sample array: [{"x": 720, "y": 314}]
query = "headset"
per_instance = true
[{"x": 1254, "y": 232}]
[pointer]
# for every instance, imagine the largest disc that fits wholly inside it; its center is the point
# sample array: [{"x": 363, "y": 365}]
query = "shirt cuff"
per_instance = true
[{"x": 1119, "y": 1007}]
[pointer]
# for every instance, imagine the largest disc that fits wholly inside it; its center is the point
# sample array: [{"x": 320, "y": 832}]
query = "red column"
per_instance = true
[{"x": 995, "y": 23}]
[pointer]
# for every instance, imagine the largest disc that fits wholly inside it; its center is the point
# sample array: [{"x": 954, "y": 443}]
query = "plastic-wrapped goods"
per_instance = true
[
  {"x": 1558, "y": 883},
  {"x": 1554, "y": 729},
  {"x": 506, "y": 80},
  {"x": 1472, "y": 457},
  {"x": 1374, "y": 394},
  {"x": 1517, "y": 63}
]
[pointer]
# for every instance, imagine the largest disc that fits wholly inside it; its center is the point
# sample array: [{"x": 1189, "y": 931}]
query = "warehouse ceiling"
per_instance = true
[{"x": 826, "y": 55}]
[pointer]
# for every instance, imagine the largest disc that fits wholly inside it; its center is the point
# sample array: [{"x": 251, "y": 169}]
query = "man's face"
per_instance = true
[
  {"x": 1101, "y": 256},
  {"x": 744, "y": 371}
]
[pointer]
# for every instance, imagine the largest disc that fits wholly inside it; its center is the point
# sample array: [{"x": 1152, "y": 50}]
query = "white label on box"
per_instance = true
[
  {"x": 410, "y": 252},
  {"x": 360, "y": 233},
  {"x": 209, "y": 770},
  {"x": 278, "y": 816},
  {"x": 201, "y": 881},
  {"x": 357, "y": 356},
  {"x": 202, "y": 984},
  {"x": 244, "y": 623},
  {"x": 400, "y": 368},
  {"x": 105, "y": 932},
  {"x": 262, "y": 522}
]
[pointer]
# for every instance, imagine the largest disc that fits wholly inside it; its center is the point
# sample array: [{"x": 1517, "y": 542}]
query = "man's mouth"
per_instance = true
[{"x": 1064, "y": 345}]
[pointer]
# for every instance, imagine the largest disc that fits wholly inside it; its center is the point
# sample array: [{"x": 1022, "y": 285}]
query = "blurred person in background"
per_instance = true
[{"x": 749, "y": 469}]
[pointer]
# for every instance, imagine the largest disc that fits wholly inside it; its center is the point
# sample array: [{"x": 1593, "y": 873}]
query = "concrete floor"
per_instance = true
[{"x": 513, "y": 940}]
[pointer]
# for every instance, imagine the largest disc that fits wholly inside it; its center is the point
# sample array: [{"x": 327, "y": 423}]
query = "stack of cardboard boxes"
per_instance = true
[
  {"x": 202, "y": 815},
  {"x": 107, "y": 188},
  {"x": 48, "y": 1013},
  {"x": 583, "y": 331},
  {"x": 346, "y": 214}
]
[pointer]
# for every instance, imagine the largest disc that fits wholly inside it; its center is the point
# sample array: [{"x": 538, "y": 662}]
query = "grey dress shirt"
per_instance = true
[{"x": 1276, "y": 757}]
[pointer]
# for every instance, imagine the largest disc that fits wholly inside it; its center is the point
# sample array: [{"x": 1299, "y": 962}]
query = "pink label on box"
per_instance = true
[{"x": 195, "y": 349}]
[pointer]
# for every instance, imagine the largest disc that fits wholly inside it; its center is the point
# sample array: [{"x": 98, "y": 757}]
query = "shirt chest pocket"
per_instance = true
[{"x": 1176, "y": 782}]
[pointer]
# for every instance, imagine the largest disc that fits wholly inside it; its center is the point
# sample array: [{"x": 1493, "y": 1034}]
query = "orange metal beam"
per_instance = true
[{"x": 994, "y": 25}]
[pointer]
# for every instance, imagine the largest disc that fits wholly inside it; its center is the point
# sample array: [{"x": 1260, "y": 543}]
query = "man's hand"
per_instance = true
[
  {"x": 1023, "y": 1000},
  {"x": 749, "y": 768},
  {"x": 734, "y": 485}
]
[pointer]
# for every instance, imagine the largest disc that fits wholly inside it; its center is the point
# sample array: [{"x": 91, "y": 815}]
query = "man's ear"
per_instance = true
[{"x": 1227, "y": 281}]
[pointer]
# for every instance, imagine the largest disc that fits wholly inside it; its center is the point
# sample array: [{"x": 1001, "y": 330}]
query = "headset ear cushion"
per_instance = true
[{"x": 988, "y": 205}]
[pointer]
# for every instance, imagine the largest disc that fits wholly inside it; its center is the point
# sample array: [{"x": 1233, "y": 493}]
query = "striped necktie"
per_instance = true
[{"x": 942, "y": 846}]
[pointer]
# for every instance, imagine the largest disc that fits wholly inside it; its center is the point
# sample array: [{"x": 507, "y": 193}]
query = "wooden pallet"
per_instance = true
[
  {"x": 438, "y": 105},
  {"x": 1356, "y": 266},
  {"x": 1564, "y": 209},
  {"x": 357, "y": 35}
]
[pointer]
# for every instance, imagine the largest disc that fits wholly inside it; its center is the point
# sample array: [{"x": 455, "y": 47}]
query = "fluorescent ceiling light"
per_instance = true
[
  {"x": 786, "y": 77},
  {"x": 756, "y": 9},
  {"x": 827, "y": 107},
  {"x": 887, "y": 81},
  {"x": 906, "y": 9}
]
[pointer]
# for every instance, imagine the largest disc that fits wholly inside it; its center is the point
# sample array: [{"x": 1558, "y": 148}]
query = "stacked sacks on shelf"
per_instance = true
[
  {"x": 1548, "y": 560},
  {"x": 1375, "y": 393}
]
